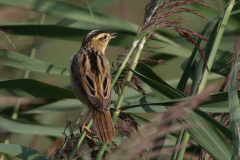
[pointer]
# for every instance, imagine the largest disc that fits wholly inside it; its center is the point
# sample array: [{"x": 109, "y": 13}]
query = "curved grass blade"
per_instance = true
[
  {"x": 234, "y": 111},
  {"x": 33, "y": 88},
  {"x": 211, "y": 13},
  {"x": 17, "y": 60},
  {"x": 217, "y": 104},
  {"x": 98, "y": 4},
  {"x": 160, "y": 88},
  {"x": 192, "y": 60},
  {"x": 214, "y": 42},
  {"x": 94, "y": 5},
  {"x": 61, "y": 105},
  {"x": 72, "y": 104},
  {"x": 65, "y": 10},
  {"x": 17, "y": 126},
  {"x": 198, "y": 72},
  {"x": 207, "y": 135},
  {"x": 144, "y": 104},
  {"x": 235, "y": 12},
  {"x": 148, "y": 72},
  {"x": 210, "y": 53},
  {"x": 221, "y": 64},
  {"x": 123, "y": 39},
  {"x": 227, "y": 42},
  {"x": 22, "y": 152}
]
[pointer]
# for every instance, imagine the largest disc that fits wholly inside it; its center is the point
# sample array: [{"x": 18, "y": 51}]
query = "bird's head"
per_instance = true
[{"x": 97, "y": 40}]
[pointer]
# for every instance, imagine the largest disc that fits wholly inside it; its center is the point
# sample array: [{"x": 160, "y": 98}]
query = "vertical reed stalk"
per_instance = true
[
  {"x": 124, "y": 62},
  {"x": 226, "y": 15},
  {"x": 128, "y": 80},
  {"x": 181, "y": 86},
  {"x": 101, "y": 151},
  {"x": 75, "y": 126},
  {"x": 216, "y": 43},
  {"x": 80, "y": 140}
]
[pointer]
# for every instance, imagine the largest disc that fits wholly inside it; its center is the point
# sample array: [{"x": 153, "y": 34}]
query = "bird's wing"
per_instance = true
[
  {"x": 91, "y": 77},
  {"x": 105, "y": 83}
]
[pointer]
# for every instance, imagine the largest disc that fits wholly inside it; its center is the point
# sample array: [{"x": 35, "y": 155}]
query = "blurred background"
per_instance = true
[{"x": 58, "y": 51}]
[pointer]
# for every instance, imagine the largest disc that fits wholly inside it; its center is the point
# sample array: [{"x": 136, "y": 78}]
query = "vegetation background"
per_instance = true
[{"x": 20, "y": 21}]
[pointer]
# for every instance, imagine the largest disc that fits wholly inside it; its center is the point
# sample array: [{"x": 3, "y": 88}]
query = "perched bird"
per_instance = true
[{"x": 91, "y": 82}]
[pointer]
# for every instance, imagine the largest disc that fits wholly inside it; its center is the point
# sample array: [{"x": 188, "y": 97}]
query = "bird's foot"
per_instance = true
[
  {"x": 89, "y": 137},
  {"x": 86, "y": 129}
]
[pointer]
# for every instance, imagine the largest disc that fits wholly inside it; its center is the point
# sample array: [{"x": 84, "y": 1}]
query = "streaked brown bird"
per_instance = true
[{"x": 91, "y": 82}]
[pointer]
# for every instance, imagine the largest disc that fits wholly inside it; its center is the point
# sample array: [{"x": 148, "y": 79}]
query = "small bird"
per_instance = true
[{"x": 91, "y": 82}]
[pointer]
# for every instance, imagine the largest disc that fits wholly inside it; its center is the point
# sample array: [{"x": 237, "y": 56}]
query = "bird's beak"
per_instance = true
[{"x": 111, "y": 35}]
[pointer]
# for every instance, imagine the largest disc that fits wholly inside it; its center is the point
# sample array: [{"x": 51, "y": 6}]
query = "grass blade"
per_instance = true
[
  {"x": 17, "y": 60},
  {"x": 65, "y": 10},
  {"x": 98, "y": 4},
  {"x": 33, "y": 88},
  {"x": 123, "y": 39},
  {"x": 207, "y": 135},
  {"x": 22, "y": 152},
  {"x": 17, "y": 126},
  {"x": 221, "y": 64},
  {"x": 187, "y": 70},
  {"x": 143, "y": 104},
  {"x": 216, "y": 44},
  {"x": 234, "y": 111}
]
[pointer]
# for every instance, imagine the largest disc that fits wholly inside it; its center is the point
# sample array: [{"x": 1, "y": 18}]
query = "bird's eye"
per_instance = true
[{"x": 105, "y": 37}]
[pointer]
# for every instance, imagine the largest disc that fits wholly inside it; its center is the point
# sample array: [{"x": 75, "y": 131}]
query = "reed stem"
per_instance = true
[
  {"x": 185, "y": 136},
  {"x": 128, "y": 80},
  {"x": 124, "y": 62},
  {"x": 182, "y": 84},
  {"x": 80, "y": 140},
  {"x": 73, "y": 129},
  {"x": 101, "y": 151},
  {"x": 215, "y": 46}
]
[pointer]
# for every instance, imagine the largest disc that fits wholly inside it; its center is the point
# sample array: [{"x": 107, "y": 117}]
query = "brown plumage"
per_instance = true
[{"x": 91, "y": 81}]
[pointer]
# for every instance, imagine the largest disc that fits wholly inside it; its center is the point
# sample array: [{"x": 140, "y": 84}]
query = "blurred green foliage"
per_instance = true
[{"x": 47, "y": 100}]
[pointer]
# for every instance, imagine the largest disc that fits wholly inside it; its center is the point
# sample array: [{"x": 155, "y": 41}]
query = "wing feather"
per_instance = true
[{"x": 92, "y": 82}]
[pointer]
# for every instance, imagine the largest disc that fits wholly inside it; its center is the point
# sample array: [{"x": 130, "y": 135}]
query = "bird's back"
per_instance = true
[{"x": 91, "y": 76}]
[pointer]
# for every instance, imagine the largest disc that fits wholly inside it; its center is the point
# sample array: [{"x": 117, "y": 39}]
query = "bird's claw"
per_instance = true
[
  {"x": 86, "y": 129},
  {"x": 88, "y": 136}
]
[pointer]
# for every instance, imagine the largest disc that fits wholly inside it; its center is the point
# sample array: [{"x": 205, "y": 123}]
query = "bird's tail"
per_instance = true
[{"x": 103, "y": 126}]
